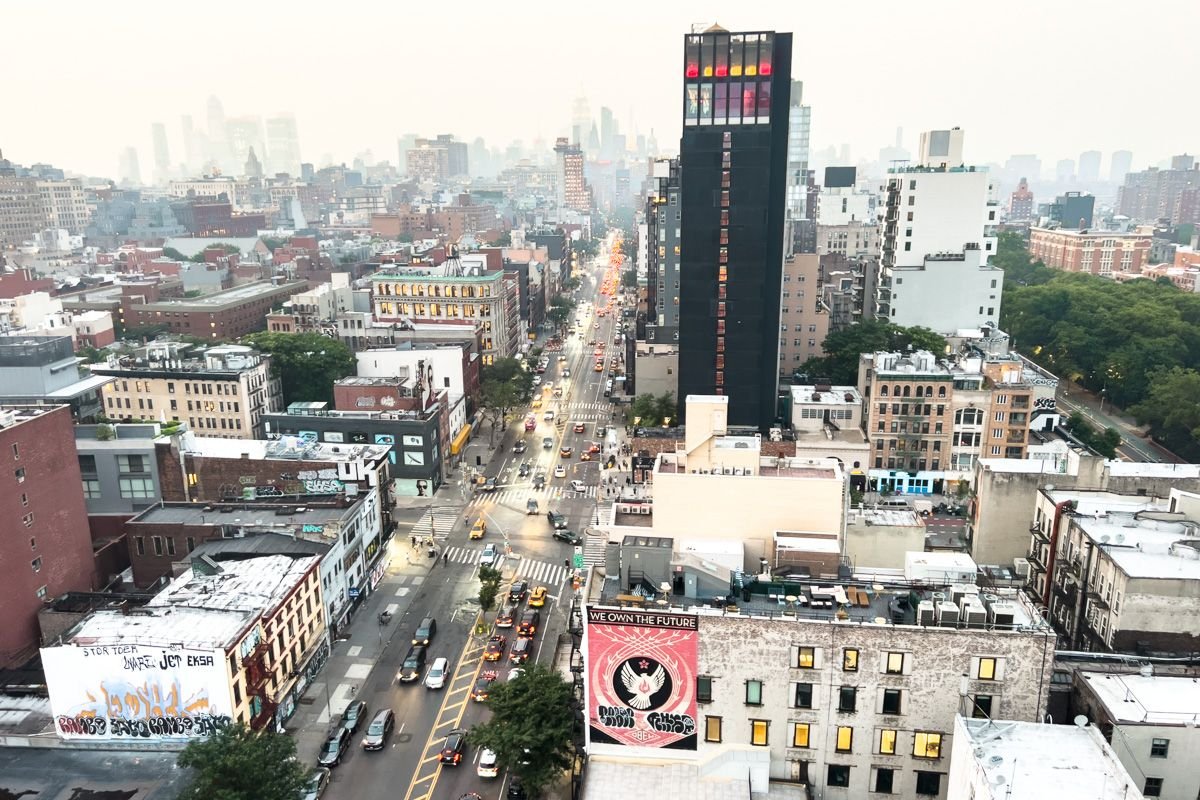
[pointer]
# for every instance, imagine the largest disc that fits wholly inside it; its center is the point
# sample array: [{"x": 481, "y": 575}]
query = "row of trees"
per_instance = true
[
  {"x": 650, "y": 411},
  {"x": 307, "y": 363},
  {"x": 503, "y": 385},
  {"x": 1137, "y": 342},
  {"x": 842, "y": 348},
  {"x": 559, "y": 312}
]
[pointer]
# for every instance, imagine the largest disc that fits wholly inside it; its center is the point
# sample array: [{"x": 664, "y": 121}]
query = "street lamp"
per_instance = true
[{"x": 499, "y": 527}]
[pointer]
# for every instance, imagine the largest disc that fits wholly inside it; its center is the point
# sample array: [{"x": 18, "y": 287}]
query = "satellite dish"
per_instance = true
[
  {"x": 998, "y": 780},
  {"x": 1080, "y": 721},
  {"x": 1104, "y": 539}
]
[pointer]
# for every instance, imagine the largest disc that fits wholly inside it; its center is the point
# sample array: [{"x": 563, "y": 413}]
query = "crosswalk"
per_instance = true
[
  {"x": 516, "y": 497},
  {"x": 437, "y": 523},
  {"x": 533, "y": 570},
  {"x": 602, "y": 512},
  {"x": 594, "y": 548}
]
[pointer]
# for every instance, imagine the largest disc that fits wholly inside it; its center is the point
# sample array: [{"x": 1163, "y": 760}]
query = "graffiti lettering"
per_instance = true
[
  {"x": 321, "y": 486},
  {"x": 199, "y": 725},
  {"x": 267, "y": 491},
  {"x": 671, "y": 723},
  {"x": 613, "y": 717},
  {"x": 82, "y": 725},
  {"x": 317, "y": 474},
  {"x": 169, "y": 660},
  {"x": 199, "y": 661},
  {"x": 134, "y": 663}
]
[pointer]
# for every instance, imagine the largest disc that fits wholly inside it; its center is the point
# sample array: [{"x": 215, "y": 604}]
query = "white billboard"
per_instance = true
[{"x": 136, "y": 692}]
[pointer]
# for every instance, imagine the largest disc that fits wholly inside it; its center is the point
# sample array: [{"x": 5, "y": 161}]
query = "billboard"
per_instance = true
[
  {"x": 641, "y": 678},
  {"x": 135, "y": 692}
]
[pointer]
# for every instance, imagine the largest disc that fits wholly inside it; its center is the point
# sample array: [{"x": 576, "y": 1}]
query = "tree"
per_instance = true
[
  {"x": 559, "y": 312},
  {"x": 91, "y": 355},
  {"x": 644, "y": 410},
  {"x": 503, "y": 240},
  {"x": 235, "y": 763},
  {"x": 174, "y": 255},
  {"x": 504, "y": 385},
  {"x": 842, "y": 348},
  {"x": 307, "y": 363},
  {"x": 1171, "y": 410},
  {"x": 571, "y": 284},
  {"x": 143, "y": 333},
  {"x": 664, "y": 407},
  {"x": 1104, "y": 442},
  {"x": 489, "y": 587},
  {"x": 530, "y": 726},
  {"x": 629, "y": 279},
  {"x": 585, "y": 247}
]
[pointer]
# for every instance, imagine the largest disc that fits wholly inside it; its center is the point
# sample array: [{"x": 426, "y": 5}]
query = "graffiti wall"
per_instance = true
[
  {"x": 136, "y": 692},
  {"x": 641, "y": 678}
]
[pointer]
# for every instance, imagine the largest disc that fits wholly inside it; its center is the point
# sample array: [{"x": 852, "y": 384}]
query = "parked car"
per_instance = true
[
  {"x": 413, "y": 666},
  {"x": 436, "y": 677},
  {"x": 379, "y": 730},
  {"x": 515, "y": 790},
  {"x": 334, "y": 748},
  {"x": 425, "y": 631},
  {"x": 354, "y": 714},
  {"x": 317, "y": 783},
  {"x": 454, "y": 748}
]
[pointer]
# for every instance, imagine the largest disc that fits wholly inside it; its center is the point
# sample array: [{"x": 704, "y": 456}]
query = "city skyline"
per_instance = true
[{"x": 625, "y": 64}]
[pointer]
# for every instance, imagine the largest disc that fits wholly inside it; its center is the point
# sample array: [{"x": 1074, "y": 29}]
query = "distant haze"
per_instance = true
[{"x": 83, "y": 81}]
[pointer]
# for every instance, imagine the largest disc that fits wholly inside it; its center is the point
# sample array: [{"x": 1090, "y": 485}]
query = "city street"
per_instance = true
[
  {"x": 1133, "y": 447},
  {"x": 408, "y": 766}
]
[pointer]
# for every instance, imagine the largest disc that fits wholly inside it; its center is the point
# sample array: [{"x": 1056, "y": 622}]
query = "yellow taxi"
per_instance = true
[
  {"x": 536, "y": 404},
  {"x": 538, "y": 598},
  {"x": 599, "y": 366},
  {"x": 479, "y": 529}
]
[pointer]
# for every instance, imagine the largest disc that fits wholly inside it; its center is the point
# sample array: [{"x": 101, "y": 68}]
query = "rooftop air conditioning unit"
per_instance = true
[
  {"x": 947, "y": 615},
  {"x": 975, "y": 616},
  {"x": 925, "y": 614},
  {"x": 1003, "y": 614},
  {"x": 1022, "y": 568}
]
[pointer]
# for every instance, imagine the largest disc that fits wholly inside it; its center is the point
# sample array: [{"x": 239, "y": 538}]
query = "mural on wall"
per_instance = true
[
  {"x": 136, "y": 692},
  {"x": 310, "y": 481},
  {"x": 641, "y": 678}
]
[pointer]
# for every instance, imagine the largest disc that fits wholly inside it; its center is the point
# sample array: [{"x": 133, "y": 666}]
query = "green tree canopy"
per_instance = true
[
  {"x": 503, "y": 240},
  {"x": 236, "y": 763},
  {"x": 629, "y": 279},
  {"x": 560, "y": 310},
  {"x": 504, "y": 385},
  {"x": 1171, "y": 409},
  {"x": 489, "y": 587},
  {"x": 530, "y": 727},
  {"x": 307, "y": 363},
  {"x": 843, "y": 348}
]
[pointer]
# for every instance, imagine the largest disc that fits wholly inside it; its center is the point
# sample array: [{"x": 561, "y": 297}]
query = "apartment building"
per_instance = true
[
  {"x": 1150, "y": 720},
  {"x": 662, "y": 241},
  {"x": 45, "y": 550},
  {"x": 43, "y": 370},
  {"x": 314, "y": 310},
  {"x": 1118, "y": 572},
  {"x": 64, "y": 204},
  {"x": 225, "y": 315},
  {"x": 22, "y": 210},
  {"x": 236, "y": 641},
  {"x": 1104, "y": 253},
  {"x": 846, "y": 690},
  {"x": 487, "y": 299},
  {"x": 803, "y": 316},
  {"x": 571, "y": 188},
  {"x": 222, "y": 391}
]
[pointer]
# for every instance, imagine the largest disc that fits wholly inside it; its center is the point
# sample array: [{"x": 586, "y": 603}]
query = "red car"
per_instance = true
[
  {"x": 579, "y": 427},
  {"x": 495, "y": 648}
]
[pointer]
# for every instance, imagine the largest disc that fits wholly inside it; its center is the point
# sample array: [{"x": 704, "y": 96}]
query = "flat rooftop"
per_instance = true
[
  {"x": 163, "y": 626},
  {"x": 826, "y": 395},
  {"x": 1147, "y": 699},
  {"x": 228, "y": 298},
  {"x": 1145, "y": 548},
  {"x": 285, "y": 449},
  {"x": 253, "y": 584},
  {"x": 1028, "y": 760},
  {"x": 239, "y": 514}
]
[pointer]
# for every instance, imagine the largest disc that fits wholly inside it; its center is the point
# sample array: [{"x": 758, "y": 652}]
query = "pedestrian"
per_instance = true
[
  {"x": 414, "y": 541},
  {"x": 445, "y": 557}
]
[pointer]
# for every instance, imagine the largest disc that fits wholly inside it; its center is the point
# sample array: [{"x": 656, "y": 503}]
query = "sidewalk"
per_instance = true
[{"x": 351, "y": 659}]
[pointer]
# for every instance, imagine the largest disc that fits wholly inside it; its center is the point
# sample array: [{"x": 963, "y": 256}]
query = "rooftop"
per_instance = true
[
  {"x": 163, "y": 626},
  {"x": 1027, "y": 760},
  {"x": 826, "y": 395},
  {"x": 257, "y": 514},
  {"x": 230, "y": 297},
  {"x": 1146, "y": 544},
  {"x": 288, "y": 449},
  {"x": 1148, "y": 699},
  {"x": 255, "y": 584}
]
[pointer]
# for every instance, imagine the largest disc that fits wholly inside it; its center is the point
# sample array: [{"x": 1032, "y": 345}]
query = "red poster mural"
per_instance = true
[{"x": 642, "y": 678}]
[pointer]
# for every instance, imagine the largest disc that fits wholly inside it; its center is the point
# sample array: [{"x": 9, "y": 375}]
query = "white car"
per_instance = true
[
  {"x": 537, "y": 380},
  {"x": 515, "y": 673},
  {"x": 560, "y": 471},
  {"x": 566, "y": 373},
  {"x": 436, "y": 677},
  {"x": 488, "y": 557},
  {"x": 548, "y": 416},
  {"x": 577, "y": 486},
  {"x": 488, "y": 768}
]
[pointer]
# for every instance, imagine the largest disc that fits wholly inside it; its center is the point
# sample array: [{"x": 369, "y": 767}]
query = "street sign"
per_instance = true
[
  {"x": 577, "y": 559},
  {"x": 354, "y": 593}
]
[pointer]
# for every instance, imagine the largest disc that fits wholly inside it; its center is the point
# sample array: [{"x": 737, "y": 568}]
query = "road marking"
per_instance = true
[
  {"x": 354, "y": 651},
  {"x": 402, "y": 591}
]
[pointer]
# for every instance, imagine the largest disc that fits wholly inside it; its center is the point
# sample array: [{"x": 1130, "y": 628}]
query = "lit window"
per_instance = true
[
  {"x": 712, "y": 729},
  {"x": 927, "y": 745},
  {"x": 895, "y": 664},
  {"x": 805, "y": 657},
  {"x": 887, "y": 741},
  {"x": 987, "y": 669},
  {"x": 845, "y": 739},
  {"x": 850, "y": 660},
  {"x": 800, "y": 734},
  {"x": 758, "y": 732}
]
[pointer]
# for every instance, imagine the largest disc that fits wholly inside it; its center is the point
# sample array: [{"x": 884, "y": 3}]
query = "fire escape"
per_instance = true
[{"x": 258, "y": 675}]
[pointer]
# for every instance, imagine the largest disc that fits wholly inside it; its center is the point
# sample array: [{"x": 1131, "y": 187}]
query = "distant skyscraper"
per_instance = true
[
  {"x": 1122, "y": 161},
  {"x": 1089, "y": 166},
  {"x": 571, "y": 190},
  {"x": 405, "y": 143},
  {"x": 593, "y": 142},
  {"x": 253, "y": 168},
  {"x": 128, "y": 171},
  {"x": 191, "y": 154},
  {"x": 244, "y": 134},
  {"x": 1064, "y": 170},
  {"x": 218, "y": 137},
  {"x": 581, "y": 120},
  {"x": 733, "y": 188},
  {"x": 283, "y": 144},
  {"x": 799, "y": 127},
  {"x": 1022, "y": 166},
  {"x": 1020, "y": 204},
  {"x": 162, "y": 155},
  {"x": 608, "y": 129}
]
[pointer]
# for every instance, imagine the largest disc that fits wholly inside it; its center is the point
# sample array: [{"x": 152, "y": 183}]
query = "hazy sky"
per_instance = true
[{"x": 82, "y": 80}]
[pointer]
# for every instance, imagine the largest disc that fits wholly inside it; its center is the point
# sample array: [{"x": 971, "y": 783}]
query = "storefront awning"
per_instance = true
[{"x": 456, "y": 446}]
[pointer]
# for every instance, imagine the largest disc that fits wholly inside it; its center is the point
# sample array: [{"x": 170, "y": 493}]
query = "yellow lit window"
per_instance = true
[
  {"x": 895, "y": 663},
  {"x": 800, "y": 734},
  {"x": 845, "y": 739},
  {"x": 887, "y": 741},
  {"x": 712, "y": 729},
  {"x": 987, "y": 669},
  {"x": 758, "y": 732},
  {"x": 850, "y": 660},
  {"x": 805, "y": 657},
  {"x": 927, "y": 745}
]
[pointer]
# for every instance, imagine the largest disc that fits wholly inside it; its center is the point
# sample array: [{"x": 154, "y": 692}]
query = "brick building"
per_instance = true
[
  {"x": 224, "y": 315},
  {"x": 45, "y": 548},
  {"x": 1097, "y": 252}
]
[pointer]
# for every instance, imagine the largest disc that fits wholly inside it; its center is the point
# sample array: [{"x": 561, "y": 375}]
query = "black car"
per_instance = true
[
  {"x": 354, "y": 714},
  {"x": 490, "y": 485},
  {"x": 528, "y": 627},
  {"x": 556, "y": 519},
  {"x": 515, "y": 790},
  {"x": 506, "y": 616},
  {"x": 524, "y": 470},
  {"x": 379, "y": 730},
  {"x": 519, "y": 447},
  {"x": 517, "y": 592},
  {"x": 414, "y": 664},
  {"x": 334, "y": 748},
  {"x": 565, "y": 535},
  {"x": 425, "y": 631},
  {"x": 453, "y": 749},
  {"x": 539, "y": 481},
  {"x": 520, "y": 651}
]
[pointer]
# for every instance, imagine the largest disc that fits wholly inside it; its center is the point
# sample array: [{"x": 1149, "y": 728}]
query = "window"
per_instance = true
[
  {"x": 754, "y": 693},
  {"x": 170, "y": 545},
  {"x": 27, "y": 520},
  {"x": 845, "y": 739},
  {"x": 91, "y": 489},
  {"x": 158, "y": 545},
  {"x": 891, "y": 701},
  {"x": 927, "y": 745},
  {"x": 847, "y": 699},
  {"x": 887, "y": 741},
  {"x": 130, "y": 463},
  {"x": 929, "y": 783},
  {"x": 712, "y": 729},
  {"x": 990, "y": 668},
  {"x": 37, "y": 564},
  {"x": 838, "y": 775},
  {"x": 804, "y": 658},
  {"x": 704, "y": 689},
  {"x": 803, "y": 697},
  {"x": 139, "y": 544},
  {"x": 883, "y": 780},
  {"x": 800, "y": 734},
  {"x": 1158, "y": 747},
  {"x": 16, "y": 448},
  {"x": 1153, "y": 787},
  {"x": 19, "y": 474},
  {"x": 758, "y": 732},
  {"x": 136, "y": 488},
  {"x": 850, "y": 660},
  {"x": 895, "y": 663},
  {"x": 981, "y": 706},
  {"x": 87, "y": 464}
]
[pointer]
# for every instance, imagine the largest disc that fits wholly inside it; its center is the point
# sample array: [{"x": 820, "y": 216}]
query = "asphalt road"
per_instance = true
[
  {"x": 408, "y": 767},
  {"x": 1133, "y": 447}
]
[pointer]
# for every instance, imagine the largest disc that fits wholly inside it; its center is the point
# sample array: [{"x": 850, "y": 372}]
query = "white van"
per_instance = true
[
  {"x": 436, "y": 678},
  {"x": 893, "y": 502}
]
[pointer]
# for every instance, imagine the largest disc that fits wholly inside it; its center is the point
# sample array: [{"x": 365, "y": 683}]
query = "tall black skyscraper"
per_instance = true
[{"x": 733, "y": 175}]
